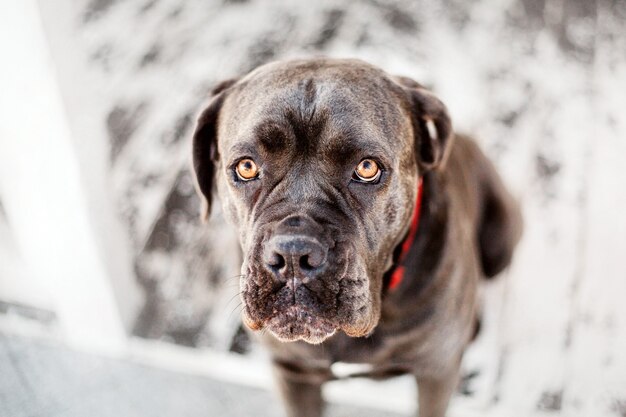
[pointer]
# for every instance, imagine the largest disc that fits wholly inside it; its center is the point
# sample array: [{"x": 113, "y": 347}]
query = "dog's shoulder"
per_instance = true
[{"x": 491, "y": 208}]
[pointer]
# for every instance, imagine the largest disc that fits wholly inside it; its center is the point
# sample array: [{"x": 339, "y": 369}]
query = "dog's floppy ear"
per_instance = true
[
  {"x": 431, "y": 124},
  {"x": 205, "y": 154}
]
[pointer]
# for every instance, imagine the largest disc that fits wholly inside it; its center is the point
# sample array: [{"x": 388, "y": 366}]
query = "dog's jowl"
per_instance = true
[{"x": 366, "y": 223}]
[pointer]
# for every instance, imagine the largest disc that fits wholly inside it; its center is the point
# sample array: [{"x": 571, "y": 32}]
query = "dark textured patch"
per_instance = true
[
  {"x": 148, "y": 180},
  {"x": 151, "y": 56},
  {"x": 175, "y": 12},
  {"x": 236, "y": 1},
  {"x": 147, "y": 6},
  {"x": 121, "y": 123},
  {"x": 465, "y": 383},
  {"x": 2, "y": 212},
  {"x": 398, "y": 18},
  {"x": 261, "y": 52},
  {"x": 240, "y": 342},
  {"x": 151, "y": 312},
  {"x": 268, "y": 44},
  {"x": 179, "y": 207},
  {"x": 575, "y": 14},
  {"x": 526, "y": 17},
  {"x": 458, "y": 12},
  {"x": 534, "y": 9},
  {"x": 178, "y": 314},
  {"x": 508, "y": 119},
  {"x": 565, "y": 28},
  {"x": 364, "y": 37},
  {"x": 616, "y": 8},
  {"x": 179, "y": 131},
  {"x": 182, "y": 126},
  {"x": 619, "y": 407},
  {"x": 550, "y": 401},
  {"x": 96, "y": 8},
  {"x": 330, "y": 28},
  {"x": 186, "y": 334},
  {"x": 102, "y": 56},
  {"x": 546, "y": 169}
]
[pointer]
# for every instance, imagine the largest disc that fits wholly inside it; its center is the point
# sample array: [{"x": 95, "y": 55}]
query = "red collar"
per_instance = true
[{"x": 398, "y": 273}]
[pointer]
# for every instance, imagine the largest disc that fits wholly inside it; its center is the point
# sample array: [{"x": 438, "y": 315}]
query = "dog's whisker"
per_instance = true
[
  {"x": 234, "y": 297},
  {"x": 231, "y": 280},
  {"x": 238, "y": 306},
  {"x": 230, "y": 285},
  {"x": 233, "y": 277}
]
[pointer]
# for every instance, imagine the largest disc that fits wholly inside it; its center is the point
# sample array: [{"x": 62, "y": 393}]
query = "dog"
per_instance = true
[{"x": 366, "y": 223}]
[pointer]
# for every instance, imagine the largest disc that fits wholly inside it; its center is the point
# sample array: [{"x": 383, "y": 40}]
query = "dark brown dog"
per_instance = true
[{"x": 318, "y": 165}]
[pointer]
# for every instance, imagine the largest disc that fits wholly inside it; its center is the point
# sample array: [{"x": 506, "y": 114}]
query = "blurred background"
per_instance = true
[{"x": 116, "y": 301}]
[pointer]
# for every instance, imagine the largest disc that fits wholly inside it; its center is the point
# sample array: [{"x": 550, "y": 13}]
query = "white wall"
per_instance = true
[{"x": 54, "y": 203}]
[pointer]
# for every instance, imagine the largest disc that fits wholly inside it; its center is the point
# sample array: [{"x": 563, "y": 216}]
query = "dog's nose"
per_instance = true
[{"x": 289, "y": 256}]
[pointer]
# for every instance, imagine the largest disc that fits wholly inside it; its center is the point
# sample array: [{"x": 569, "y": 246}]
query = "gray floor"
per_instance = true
[{"x": 39, "y": 380}]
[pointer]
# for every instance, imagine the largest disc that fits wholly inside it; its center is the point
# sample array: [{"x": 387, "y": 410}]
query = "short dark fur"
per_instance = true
[{"x": 319, "y": 247}]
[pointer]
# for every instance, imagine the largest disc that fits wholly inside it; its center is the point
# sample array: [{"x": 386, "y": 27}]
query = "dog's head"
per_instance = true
[{"x": 317, "y": 164}]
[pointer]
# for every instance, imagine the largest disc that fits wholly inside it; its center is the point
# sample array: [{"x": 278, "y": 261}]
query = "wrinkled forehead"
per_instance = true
[{"x": 315, "y": 108}]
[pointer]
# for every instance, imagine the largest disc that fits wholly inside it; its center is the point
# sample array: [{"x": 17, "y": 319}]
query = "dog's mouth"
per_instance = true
[
  {"x": 309, "y": 322},
  {"x": 293, "y": 311},
  {"x": 298, "y": 323}
]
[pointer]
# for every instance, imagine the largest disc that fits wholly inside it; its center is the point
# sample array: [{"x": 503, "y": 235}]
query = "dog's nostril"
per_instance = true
[
  {"x": 277, "y": 262},
  {"x": 304, "y": 263},
  {"x": 312, "y": 260}
]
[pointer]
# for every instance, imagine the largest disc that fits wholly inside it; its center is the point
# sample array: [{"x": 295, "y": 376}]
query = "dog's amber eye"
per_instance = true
[
  {"x": 367, "y": 171},
  {"x": 247, "y": 169}
]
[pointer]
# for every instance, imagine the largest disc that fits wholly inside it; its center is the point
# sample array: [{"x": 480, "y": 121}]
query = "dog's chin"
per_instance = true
[{"x": 297, "y": 323}]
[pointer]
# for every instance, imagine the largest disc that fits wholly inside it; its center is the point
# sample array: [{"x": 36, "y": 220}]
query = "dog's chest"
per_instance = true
[
  {"x": 371, "y": 357},
  {"x": 374, "y": 356}
]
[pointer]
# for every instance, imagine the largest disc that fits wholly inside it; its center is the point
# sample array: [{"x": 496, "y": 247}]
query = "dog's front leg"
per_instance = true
[
  {"x": 301, "y": 390},
  {"x": 434, "y": 392}
]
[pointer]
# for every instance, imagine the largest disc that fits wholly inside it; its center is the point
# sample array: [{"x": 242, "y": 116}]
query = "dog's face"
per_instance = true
[{"x": 317, "y": 163}]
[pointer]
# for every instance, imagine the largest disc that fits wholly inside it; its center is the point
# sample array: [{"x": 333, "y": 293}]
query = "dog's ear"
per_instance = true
[
  {"x": 205, "y": 154},
  {"x": 431, "y": 124}
]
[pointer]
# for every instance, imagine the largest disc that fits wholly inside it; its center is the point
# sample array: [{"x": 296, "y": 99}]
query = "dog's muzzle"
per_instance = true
[{"x": 294, "y": 281}]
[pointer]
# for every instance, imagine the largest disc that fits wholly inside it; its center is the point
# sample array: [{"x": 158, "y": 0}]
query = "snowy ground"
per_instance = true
[{"x": 539, "y": 83}]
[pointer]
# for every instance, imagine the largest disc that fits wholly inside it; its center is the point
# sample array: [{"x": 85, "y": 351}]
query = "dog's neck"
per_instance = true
[
  {"x": 397, "y": 273},
  {"x": 421, "y": 257}
]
